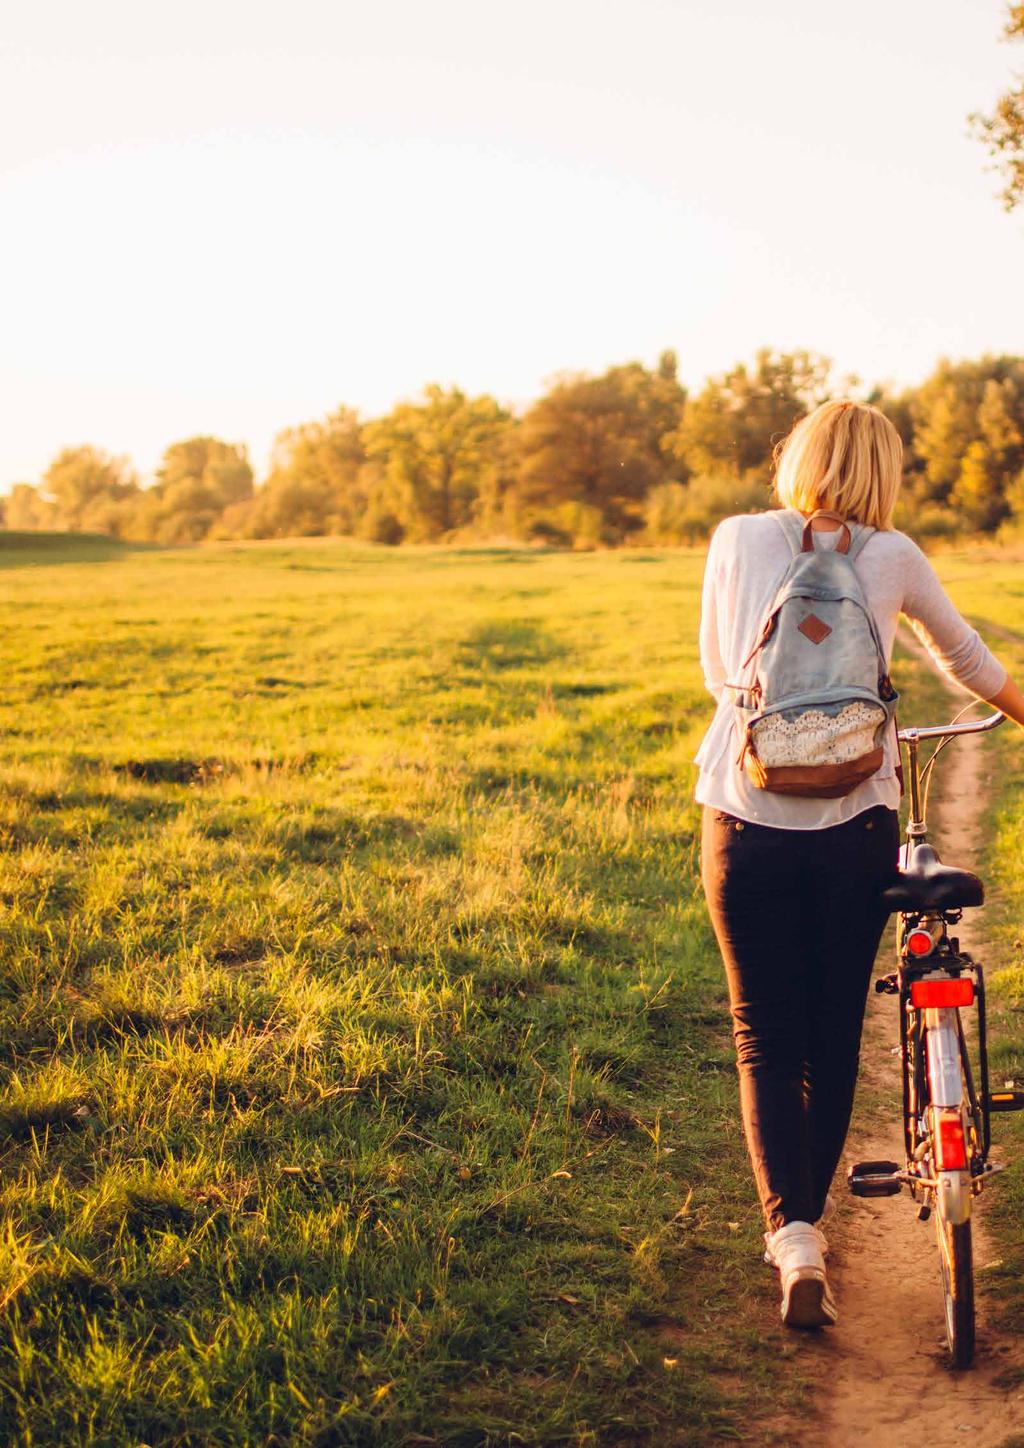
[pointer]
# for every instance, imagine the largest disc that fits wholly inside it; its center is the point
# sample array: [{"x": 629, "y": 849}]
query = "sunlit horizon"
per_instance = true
[{"x": 228, "y": 228}]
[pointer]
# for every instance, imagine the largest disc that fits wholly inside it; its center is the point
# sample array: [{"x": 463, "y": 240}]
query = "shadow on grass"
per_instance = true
[
  {"x": 27, "y": 550},
  {"x": 498, "y": 644}
]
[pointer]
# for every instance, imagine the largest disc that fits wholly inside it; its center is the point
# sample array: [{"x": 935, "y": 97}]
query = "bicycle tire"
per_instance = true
[{"x": 956, "y": 1259}]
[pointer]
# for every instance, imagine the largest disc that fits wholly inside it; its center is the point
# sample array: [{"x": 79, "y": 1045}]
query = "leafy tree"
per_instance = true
[
  {"x": 993, "y": 458},
  {"x": 197, "y": 479},
  {"x": 687, "y": 512},
  {"x": 1003, "y": 130},
  {"x": 87, "y": 488},
  {"x": 733, "y": 423},
  {"x": 379, "y": 524},
  {"x": 944, "y": 411},
  {"x": 205, "y": 467},
  {"x": 968, "y": 428},
  {"x": 439, "y": 462},
  {"x": 315, "y": 486},
  {"x": 898, "y": 408},
  {"x": 26, "y": 511},
  {"x": 978, "y": 496},
  {"x": 599, "y": 442},
  {"x": 1015, "y": 497}
]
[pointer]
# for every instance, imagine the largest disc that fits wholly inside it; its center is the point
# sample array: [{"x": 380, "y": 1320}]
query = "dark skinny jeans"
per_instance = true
[{"x": 798, "y": 918}]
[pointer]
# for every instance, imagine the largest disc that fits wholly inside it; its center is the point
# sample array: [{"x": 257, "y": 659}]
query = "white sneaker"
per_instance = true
[
  {"x": 827, "y": 1211},
  {"x": 796, "y": 1250}
]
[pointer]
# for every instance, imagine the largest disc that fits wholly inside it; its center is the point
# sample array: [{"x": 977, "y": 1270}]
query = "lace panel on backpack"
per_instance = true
[{"x": 812, "y": 736}]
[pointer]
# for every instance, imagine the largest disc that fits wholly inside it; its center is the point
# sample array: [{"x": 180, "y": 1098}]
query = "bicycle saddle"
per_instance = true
[{"x": 925, "y": 883}]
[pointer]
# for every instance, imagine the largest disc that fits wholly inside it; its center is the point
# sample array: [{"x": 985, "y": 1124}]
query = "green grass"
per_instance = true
[
  {"x": 22, "y": 550},
  {"x": 365, "y": 1063},
  {"x": 987, "y": 586}
]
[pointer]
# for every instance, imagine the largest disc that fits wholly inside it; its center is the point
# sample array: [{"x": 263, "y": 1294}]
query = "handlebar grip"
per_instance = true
[{"x": 951, "y": 731}]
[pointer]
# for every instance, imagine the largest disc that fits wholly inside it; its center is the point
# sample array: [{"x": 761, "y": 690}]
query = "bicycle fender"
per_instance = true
[
  {"x": 946, "y": 1092},
  {"x": 942, "y": 1044},
  {"x": 954, "y": 1196}
]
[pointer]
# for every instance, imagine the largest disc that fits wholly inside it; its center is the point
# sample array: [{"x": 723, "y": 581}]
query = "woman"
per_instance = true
[{"x": 793, "y": 883}]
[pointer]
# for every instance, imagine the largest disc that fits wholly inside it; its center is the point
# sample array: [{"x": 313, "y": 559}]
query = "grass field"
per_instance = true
[
  {"x": 366, "y": 1073},
  {"x": 990, "y": 587}
]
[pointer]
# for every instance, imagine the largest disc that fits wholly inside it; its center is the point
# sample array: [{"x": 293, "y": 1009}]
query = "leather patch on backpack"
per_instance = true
[{"x": 814, "y": 628}]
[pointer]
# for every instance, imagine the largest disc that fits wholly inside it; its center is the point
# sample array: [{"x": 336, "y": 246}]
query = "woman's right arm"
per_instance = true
[
  {"x": 1009, "y": 700},
  {"x": 710, "y": 644}
]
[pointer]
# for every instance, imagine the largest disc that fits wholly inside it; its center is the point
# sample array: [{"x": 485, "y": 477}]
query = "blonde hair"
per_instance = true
[{"x": 844, "y": 456}]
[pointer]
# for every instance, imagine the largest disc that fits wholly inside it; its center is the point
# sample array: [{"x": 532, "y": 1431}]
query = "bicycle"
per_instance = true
[{"x": 946, "y": 1115}]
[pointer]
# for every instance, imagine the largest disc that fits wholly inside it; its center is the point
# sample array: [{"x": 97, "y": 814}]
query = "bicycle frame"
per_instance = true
[
  {"x": 933, "y": 1077},
  {"x": 946, "y": 1117}
]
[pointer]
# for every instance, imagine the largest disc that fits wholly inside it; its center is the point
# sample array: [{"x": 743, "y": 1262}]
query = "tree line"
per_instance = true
[{"x": 624, "y": 456}]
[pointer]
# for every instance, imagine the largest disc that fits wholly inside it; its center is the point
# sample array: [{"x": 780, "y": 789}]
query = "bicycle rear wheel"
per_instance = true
[{"x": 957, "y": 1261}]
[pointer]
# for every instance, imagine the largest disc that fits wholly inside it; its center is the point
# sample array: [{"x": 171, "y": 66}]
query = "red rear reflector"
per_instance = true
[
  {"x": 949, "y": 1141},
  {"x": 919, "y": 942},
  {"x": 939, "y": 993}
]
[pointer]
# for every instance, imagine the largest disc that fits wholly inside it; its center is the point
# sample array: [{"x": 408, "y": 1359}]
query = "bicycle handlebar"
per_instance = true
[{"x": 950, "y": 731}]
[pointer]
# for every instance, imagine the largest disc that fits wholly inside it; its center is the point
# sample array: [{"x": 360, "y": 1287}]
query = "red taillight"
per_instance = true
[
  {"x": 957, "y": 991},
  {"x": 919, "y": 942},
  {"x": 950, "y": 1147}
]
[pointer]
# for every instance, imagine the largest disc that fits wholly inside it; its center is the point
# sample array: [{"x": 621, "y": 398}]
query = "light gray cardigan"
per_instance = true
[{"x": 746, "y": 561}]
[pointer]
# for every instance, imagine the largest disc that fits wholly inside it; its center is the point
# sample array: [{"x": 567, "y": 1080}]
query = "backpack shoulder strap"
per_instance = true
[
  {"x": 860, "y": 533},
  {"x": 792, "y": 526}
]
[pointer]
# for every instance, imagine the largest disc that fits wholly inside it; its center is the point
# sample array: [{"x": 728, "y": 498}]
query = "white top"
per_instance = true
[{"x": 746, "y": 562}]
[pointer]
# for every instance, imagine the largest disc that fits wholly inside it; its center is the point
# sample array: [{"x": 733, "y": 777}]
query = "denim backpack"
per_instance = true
[{"x": 815, "y": 698}]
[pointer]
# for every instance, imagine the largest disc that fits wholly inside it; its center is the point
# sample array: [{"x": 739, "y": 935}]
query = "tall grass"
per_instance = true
[
  {"x": 987, "y": 585},
  {"x": 365, "y": 1065}
]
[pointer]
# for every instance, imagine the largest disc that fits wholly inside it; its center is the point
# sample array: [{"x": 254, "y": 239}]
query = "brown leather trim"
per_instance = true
[
  {"x": 814, "y": 628},
  {"x": 765, "y": 635},
  {"x": 818, "y": 781},
  {"x": 842, "y": 546}
]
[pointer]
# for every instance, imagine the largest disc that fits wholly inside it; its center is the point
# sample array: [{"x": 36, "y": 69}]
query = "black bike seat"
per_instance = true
[{"x": 924, "y": 883}]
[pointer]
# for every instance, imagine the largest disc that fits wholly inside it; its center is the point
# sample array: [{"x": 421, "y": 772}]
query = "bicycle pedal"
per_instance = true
[
  {"x": 1006, "y": 1100},
  {"x": 874, "y": 1179}
]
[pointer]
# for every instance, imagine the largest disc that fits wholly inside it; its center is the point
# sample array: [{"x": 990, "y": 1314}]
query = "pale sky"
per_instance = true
[{"x": 231, "y": 216}]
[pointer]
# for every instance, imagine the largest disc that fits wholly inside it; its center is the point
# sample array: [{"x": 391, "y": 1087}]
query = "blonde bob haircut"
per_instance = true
[{"x": 844, "y": 456}]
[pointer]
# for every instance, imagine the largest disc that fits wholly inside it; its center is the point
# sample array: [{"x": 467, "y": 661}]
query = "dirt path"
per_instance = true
[{"x": 884, "y": 1374}]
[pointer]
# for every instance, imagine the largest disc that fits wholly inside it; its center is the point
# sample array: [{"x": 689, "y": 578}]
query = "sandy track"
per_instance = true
[{"x": 882, "y": 1371}]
